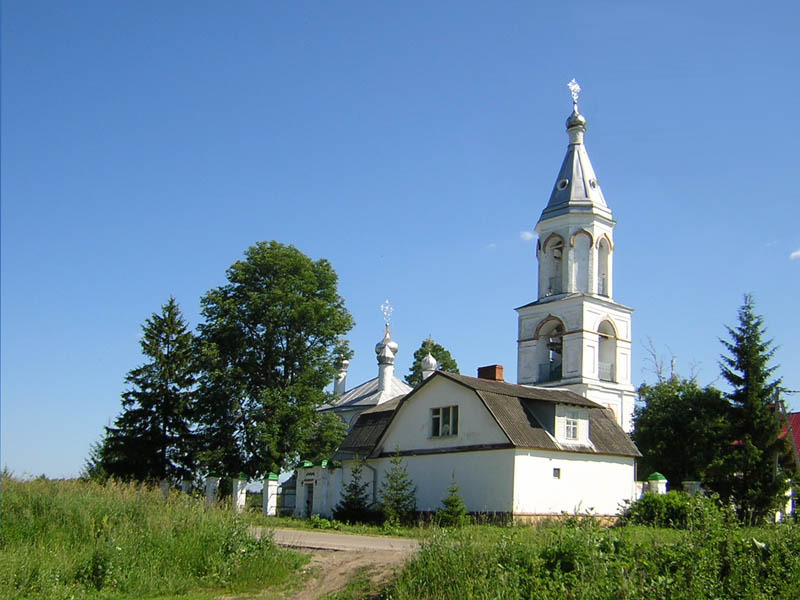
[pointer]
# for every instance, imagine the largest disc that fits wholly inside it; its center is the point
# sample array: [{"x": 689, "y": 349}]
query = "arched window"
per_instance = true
[
  {"x": 550, "y": 350},
  {"x": 551, "y": 265},
  {"x": 608, "y": 352},
  {"x": 603, "y": 267}
]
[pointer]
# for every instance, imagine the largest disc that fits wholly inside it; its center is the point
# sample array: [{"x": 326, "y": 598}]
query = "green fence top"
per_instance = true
[
  {"x": 324, "y": 464},
  {"x": 273, "y": 477},
  {"x": 243, "y": 477},
  {"x": 656, "y": 477},
  {"x": 308, "y": 463}
]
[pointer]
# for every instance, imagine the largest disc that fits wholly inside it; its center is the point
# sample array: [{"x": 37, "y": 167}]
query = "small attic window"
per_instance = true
[
  {"x": 592, "y": 183},
  {"x": 562, "y": 185}
]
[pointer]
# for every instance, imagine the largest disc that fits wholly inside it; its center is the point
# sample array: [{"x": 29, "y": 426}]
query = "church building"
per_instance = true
[{"x": 556, "y": 441}]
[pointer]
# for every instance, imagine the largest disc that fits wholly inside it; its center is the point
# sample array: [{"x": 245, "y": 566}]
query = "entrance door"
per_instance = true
[{"x": 309, "y": 498}]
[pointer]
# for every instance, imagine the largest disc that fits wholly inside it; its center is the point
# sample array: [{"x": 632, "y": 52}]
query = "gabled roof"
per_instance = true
[
  {"x": 366, "y": 395},
  {"x": 511, "y": 406}
]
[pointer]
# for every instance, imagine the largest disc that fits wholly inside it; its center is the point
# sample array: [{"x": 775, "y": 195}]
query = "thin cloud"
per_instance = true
[
  {"x": 795, "y": 254},
  {"x": 526, "y": 236},
  {"x": 491, "y": 246}
]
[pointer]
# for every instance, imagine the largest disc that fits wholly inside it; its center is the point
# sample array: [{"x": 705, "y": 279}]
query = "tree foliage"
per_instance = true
[
  {"x": 453, "y": 512},
  {"x": 749, "y": 473},
  {"x": 269, "y": 342},
  {"x": 327, "y": 432},
  {"x": 680, "y": 429},
  {"x": 354, "y": 505},
  {"x": 398, "y": 494},
  {"x": 446, "y": 362},
  {"x": 152, "y": 438}
]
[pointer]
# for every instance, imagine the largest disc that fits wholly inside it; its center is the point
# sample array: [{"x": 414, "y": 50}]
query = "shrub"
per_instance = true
[
  {"x": 354, "y": 506},
  {"x": 676, "y": 510}
]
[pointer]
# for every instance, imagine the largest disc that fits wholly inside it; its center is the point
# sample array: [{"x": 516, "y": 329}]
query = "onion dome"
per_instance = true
[{"x": 429, "y": 363}]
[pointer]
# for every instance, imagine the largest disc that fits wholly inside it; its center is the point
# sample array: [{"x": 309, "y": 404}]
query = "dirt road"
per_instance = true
[{"x": 336, "y": 558}]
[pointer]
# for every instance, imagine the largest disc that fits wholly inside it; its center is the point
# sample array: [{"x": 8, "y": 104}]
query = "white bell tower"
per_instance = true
[{"x": 574, "y": 335}]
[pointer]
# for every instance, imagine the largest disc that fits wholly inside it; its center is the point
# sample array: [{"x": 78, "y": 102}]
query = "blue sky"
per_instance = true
[{"x": 146, "y": 145}]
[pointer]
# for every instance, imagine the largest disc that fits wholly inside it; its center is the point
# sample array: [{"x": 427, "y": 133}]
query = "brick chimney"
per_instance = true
[{"x": 491, "y": 372}]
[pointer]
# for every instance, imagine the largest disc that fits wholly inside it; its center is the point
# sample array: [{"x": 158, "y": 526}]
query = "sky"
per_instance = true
[{"x": 146, "y": 145}]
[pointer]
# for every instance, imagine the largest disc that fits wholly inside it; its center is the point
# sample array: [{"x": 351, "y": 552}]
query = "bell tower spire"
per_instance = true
[{"x": 574, "y": 335}]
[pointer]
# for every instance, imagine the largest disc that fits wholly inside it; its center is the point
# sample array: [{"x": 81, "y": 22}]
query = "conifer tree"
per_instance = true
[
  {"x": 152, "y": 438},
  {"x": 453, "y": 512},
  {"x": 398, "y": 494},
  {"x": 354, "y": 504},
  {"x": 445, "y": 361},
  {"x": 750, "y": 474}
]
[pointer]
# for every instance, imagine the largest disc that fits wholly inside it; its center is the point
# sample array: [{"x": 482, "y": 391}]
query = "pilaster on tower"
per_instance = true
[{"x": 574, "y": 335}]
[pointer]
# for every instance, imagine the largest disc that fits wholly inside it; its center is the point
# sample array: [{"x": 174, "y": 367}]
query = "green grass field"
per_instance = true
[{"x": 75, "y": 540}]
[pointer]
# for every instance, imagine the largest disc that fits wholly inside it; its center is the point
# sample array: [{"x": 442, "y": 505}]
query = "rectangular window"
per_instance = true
[
  {"x": 571, "y": 425},
  {"x": 444, "y": 421},
  {"x": 556, "y": 473}
]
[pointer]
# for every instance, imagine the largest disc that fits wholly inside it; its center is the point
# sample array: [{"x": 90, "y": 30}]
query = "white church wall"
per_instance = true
[
  {"x": 582, "y": 482},
  {"x": 411, "y": 428}
]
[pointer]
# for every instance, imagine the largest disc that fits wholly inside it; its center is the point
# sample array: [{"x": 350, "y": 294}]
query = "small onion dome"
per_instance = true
[
  {"x": 575, "y": 119},
  {"x": 429, "y": 363},
  {"x": 386, "y": 342}
]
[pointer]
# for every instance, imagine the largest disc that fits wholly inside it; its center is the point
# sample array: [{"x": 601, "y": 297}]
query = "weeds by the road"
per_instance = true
[
  {"x": 75, "y": 539},
  {"x": 579, "y": 559}
]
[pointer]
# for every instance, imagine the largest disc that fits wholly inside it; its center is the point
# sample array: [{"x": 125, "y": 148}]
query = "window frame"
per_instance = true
[
  {"x": 444, "y": 418},
  {"x": 571, "y": 424}
]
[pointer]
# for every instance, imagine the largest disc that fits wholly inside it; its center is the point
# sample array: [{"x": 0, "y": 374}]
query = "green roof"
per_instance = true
[{"x": 656, "y": 477}]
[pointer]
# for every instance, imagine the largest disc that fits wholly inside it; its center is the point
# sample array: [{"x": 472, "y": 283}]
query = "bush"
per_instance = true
[
  {"x": 676, "y": 510},
  {"x": 354, "y": 506}
]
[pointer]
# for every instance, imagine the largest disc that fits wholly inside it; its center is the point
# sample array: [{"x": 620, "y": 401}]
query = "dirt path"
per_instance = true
[{"x": 338, "y": 558}]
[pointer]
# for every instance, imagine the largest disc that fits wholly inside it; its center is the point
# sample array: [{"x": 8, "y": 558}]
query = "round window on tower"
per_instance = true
[{"x": 562, "y": 185}]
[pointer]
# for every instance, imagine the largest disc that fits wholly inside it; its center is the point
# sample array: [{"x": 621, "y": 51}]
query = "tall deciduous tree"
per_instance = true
[
  {"x": 269, "y": 343},
  {"x": 152, "y": 438},
  {"x": 749, "y": 473},
  {"x": 680, "y": 429},
  {"x": 446, "y": 362}
]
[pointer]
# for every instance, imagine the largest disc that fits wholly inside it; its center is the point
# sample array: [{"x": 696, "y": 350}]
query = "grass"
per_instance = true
[
  {"x": 76, "y": 540},
  {"x": 578, "y": 559}
]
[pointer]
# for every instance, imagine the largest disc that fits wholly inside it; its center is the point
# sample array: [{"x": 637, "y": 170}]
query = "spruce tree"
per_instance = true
[
  {"x": 750, "y": 474},
  {"x": 446, "y": 362},
  {"x": 152, "y": 438},
  {"x": 354, "y": 504},
  {"x": 453, "y": 512},
  {"x": 398, "y": 494}
]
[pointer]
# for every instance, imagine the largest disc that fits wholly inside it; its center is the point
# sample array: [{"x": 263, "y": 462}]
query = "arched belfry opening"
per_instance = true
[
  {"x": 550, "y": 350},
  {"x": 551, "y": 266},
  {"x": 607, "y": 353},
  {"x": 604, "y": 267},
  {"x": 581, "y": 259}
]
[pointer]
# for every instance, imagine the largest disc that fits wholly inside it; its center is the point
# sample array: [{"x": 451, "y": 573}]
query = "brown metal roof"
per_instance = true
[
  {"x": 522, "y": 391},
  {"x": 369, "y": 428},
  {"x": 511, "y": 406}
]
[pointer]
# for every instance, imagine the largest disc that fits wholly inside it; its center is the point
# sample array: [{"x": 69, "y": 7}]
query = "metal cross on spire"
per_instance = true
[
  {"x": 574, "y": 90},
  {"x": 386, "y": 309}
]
